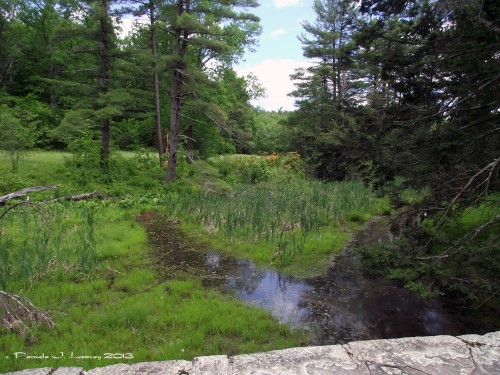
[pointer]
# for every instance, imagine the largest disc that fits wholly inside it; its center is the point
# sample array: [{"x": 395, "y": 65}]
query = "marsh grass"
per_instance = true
[
  {"x": 278, "y": 219},
  {"x": 118, "y": 305},
  {"x": 41, "y": 239},
  {"x": 124, "y": 309},
  {"x": 174, "y": 320}
]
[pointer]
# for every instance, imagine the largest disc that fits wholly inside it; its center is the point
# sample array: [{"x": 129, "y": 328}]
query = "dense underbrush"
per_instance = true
[{"x": 457, "y": 262}]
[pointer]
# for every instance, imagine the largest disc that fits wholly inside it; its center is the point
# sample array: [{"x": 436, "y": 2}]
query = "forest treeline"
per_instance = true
[
  {"x": 67, "y": 77},
  {"x": 404, "y": 94},
  {"x": 401, "y": 94}
]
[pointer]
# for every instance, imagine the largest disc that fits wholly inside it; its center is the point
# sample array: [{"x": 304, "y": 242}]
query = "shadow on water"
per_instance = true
[{"x": 340, "y": 307}]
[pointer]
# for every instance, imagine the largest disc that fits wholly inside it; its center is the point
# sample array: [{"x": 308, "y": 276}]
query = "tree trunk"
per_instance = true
[
  {"x": 175, "y": 123},
  {"x": 156, "y": 91},
  {"x": 181, "y": 41},
  {"x": 106, "y": 28}
]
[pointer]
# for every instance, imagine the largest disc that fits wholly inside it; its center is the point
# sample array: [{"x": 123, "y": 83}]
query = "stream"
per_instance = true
[{"x": 339, "y": 307}]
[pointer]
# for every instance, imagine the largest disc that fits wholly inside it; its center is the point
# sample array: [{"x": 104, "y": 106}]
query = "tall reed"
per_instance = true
[
  {"x": 86, "y": 250},
  {"x": 280, "y": 213},
  {"x": 35, "y": 240}
]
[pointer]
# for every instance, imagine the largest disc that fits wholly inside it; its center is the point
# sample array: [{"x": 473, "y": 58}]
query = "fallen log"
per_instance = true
[
  {"x": 79, "y": 197},
  {"x": 25, "y": 191}
]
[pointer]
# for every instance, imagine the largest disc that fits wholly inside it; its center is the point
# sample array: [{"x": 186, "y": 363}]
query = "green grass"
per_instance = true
[
  {"x": 174, "y": 320},
  {"x": 130, "y": 173},
  {"x": 314, "y": 259},
  {"x": 121, "y": 308},
  {"x": 35, "y": 168},
  {"x": 296, "y": 226},
  {"x": 116, "y": 304}
]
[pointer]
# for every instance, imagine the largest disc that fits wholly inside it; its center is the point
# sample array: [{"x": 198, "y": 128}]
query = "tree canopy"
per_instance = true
[
  {"x": 404, "y": 95},
  {"x": 100, "y": 86}
]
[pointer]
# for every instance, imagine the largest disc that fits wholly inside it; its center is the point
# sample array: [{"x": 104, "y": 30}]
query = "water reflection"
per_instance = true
[
  {"x": 270, "y": 290},
  {"x": 339, "y": 307}
]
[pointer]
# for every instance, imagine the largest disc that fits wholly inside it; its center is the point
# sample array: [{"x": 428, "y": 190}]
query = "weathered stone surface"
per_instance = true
[
  {"x": 311, "y": 360},
  {"x": 485, "y": 352},
  {"x": 163, "y": 367},
  {"x": 216, "y": 364},
  {"x": 428, "y": 355},
  {"x": 469, "y": 354},
  {"x": 68, "y": 371},
  {"x": 33, "y": 371}
]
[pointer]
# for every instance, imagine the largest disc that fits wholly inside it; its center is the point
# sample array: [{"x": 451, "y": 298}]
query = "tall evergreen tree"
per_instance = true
[
  {"x": 436, "y": 128},
  {"x": 328, "y": 88},
  {"x": 440, "y": 63},
  {"x": 195, "y": 27}
]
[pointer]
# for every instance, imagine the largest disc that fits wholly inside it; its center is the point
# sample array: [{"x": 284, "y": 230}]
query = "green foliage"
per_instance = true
[
  {"x": 251, "y": 169},
  {"x": 287, "y": 247},
  {"x": 86, "y": 250},
  {"x": 16, "y": 137},
  {"x": 270, "y": 133},
  {"x": 123, "y": 308},
  {"x": 459, "y": 265},
  {"x": 38, "y": 168},
  {"x": 127, "y": 172},
  {"x": 276, "y": 217},
  {"x": 242, "y": 169},
  {"x": 388, "y": 99},
  {"x": 37, "y": 242},
  {"x": 133, "y": 134}
]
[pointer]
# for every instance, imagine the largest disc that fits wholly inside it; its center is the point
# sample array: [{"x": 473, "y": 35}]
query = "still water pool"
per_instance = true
[{"x": 339, "y": 307}]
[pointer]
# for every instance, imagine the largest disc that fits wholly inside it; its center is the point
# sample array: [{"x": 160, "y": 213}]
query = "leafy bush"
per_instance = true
[
  {"x": 16, "y": 136},
  {"x": 12, "y": 182}
]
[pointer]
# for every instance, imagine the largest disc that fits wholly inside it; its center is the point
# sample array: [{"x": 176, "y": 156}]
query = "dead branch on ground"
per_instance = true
[
  {"x": 23, "y": 192},
  {"x": 17, "y": 312}
]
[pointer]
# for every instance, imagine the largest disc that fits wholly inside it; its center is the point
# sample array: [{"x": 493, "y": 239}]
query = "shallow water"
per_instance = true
[{"x": 342, "y": 306}]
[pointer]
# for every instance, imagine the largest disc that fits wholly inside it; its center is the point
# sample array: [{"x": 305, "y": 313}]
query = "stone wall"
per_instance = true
[{"x": 469, "y": 354}]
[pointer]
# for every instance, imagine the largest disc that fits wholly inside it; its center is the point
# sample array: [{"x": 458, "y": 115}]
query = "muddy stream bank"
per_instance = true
[{"x": 339, "y": 307}]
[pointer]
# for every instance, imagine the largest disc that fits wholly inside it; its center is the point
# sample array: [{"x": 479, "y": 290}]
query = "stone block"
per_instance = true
[
  {"x": 144, "y": 368},
  {"x": 215, "y": 364},
  {"x": 319, "y": 360},
  {"x": 429, "y": 355},
  {"x": 32, "y": 371}
]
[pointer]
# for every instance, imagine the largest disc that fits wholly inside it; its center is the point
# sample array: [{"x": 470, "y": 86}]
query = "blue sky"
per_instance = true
[{"x": 279, "y": 52}]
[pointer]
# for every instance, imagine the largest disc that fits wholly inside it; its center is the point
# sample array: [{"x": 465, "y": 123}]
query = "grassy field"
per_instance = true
[
  {"x": 88, "y": 265},
  {"x": 120, "y": 307}
]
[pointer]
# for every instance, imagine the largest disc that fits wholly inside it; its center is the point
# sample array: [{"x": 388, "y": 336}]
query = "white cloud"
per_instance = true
[
  {"x": 127, "y": 24},
  {"x": 274, "y": 75},
  {"x": 286, "y": 3},
  {"x": 278, "y": 32}
]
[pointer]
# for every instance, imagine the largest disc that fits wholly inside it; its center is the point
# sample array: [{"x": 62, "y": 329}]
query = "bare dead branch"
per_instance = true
[
  {"x": 75, "y": 198},
  {"x": 23, "y": 192},
  {"x": 433, "y": 257},
  {"x": 12, "y": 207},
  {"x": 490, "y": 167},
  {"x": 79, "y": 197},
  {"x": 485, "y": 226},
  {"x": 17, "y": 312}
]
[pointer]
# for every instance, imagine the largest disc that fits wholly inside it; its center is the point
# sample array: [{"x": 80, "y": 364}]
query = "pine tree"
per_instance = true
[
  {"x": 328, "y": 88},
  {"x": 201, "y": 26}
]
